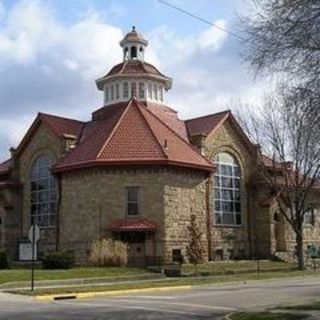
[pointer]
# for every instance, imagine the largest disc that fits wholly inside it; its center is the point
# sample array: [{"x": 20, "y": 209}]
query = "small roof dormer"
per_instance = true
[{"x": 133, "y": 45}]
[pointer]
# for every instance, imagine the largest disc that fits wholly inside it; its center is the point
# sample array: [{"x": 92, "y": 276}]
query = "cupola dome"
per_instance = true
[{"x": 134, "y": 76}]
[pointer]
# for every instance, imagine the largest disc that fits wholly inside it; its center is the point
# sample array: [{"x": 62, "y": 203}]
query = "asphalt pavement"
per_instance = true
[{"x": 203, "y": 302}]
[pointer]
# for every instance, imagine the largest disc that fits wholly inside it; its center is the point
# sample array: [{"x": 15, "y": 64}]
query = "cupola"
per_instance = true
[
  {"x": 133, "y": 45},
  {"x": 134, "y": 76}
]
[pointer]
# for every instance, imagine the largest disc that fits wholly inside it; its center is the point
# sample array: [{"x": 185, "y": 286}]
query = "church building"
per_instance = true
[{"x": 137, "y": 172}]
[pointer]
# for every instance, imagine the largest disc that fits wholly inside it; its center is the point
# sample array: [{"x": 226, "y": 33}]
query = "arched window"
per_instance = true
[
  {"x": 155, "y": 92},
  {"x": 161, "y": 93},
  {"x": 43, "y": 193},
  {"x": 150, "y": 91},
  {"x": 134, "y": 52},
  {"x": 227, "y": 193},
  {"x": 112, "y": 92},
  {"x": 141, "y": 90},
  {"x": 117, "y": 91},
  {"x": 133, "y": 89},
  {"x": 106, "y": 94},
  {"x": 125, "y": 90}
]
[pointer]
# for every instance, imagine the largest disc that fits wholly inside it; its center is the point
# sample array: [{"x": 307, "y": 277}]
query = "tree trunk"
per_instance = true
[{"x": 300, "y": 251}]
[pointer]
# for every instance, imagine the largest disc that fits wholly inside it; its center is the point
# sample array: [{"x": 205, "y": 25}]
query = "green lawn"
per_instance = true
[
  {"x": 216, "y": 268},
  {"x": 315, "y": 306},
  {"x": 173, "y": 282},
  {"x": 17, "y": 275},
  {"x": 229, "y": 267},
  {"x": 267, "y": 316}
]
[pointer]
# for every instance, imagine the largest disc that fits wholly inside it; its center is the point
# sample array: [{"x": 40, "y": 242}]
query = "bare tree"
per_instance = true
[
  {"x": 283, "y": 36},
  {"x": 195, "y": 250},
  {"x": 288, "y": 128}
]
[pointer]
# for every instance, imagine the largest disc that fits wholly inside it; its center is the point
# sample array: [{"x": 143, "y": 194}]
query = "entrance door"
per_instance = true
[
  {"x": 136, "y": 254},
  {"x": 136, "y": 248}
]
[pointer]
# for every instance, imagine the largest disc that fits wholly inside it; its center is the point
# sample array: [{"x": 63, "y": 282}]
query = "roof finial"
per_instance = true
[{"x": 133, "y": 28}]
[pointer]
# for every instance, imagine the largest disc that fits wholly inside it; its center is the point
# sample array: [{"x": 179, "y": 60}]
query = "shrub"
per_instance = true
[
  {"x": 58, "y": 260},
  {"x": 106, "y": 253},
  {"x": 4, "y": 261}
]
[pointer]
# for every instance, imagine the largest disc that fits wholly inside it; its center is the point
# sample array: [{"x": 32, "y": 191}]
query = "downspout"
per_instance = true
[
  {"x": 208, "y": 214},
  {"x": 58, "y": 213},
  {"x": 249, "y": 224}
]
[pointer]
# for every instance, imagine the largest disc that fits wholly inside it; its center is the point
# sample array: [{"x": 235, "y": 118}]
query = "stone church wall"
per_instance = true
[
  {"x": 92, "y": 199},
  {"x": 231, "y": 241},
  {"x": 43, "y": 142},
  {"x": 184, "y": 195}
]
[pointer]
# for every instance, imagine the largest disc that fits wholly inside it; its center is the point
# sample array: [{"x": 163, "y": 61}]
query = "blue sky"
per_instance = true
[{"x": 51, "y": 51}]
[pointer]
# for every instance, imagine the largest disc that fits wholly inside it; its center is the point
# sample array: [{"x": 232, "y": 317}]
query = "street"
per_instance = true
[{"x": 206, "y": 302}]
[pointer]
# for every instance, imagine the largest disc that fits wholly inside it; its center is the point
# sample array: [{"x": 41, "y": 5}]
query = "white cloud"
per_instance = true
[
  {"x": 29, "y": 28},
  {"x": 214, "y": 37},
  {"x": 50, "y": 67}
]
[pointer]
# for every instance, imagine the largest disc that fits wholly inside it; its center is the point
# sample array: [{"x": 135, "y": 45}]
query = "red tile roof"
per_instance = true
[
  {"x": 61, "y": 125},
  {"x": 131, "y": 134},
  {"x": 132, "y": 225},
  {"x": 170, "y": 118},
  {"x": 273, "y": 164},
  {"x": 204, "y": 125},
  {"x": 5, "y": 167},
  {"x": 134, "y": 67},
  {"x": 165, "y": 113},
  {"x": 209, "y": 124}
]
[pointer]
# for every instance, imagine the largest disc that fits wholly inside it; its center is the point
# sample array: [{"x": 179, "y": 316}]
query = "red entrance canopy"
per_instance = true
[{"x": 132, "y": 225}]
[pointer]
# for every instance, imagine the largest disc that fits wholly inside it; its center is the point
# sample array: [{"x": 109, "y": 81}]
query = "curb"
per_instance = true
[
  {"x": 84, "y": 295},
  {"x": 228, "y": 316}
]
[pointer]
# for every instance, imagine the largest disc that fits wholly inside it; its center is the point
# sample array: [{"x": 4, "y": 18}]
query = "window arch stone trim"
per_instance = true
[
  {"x": 234, "y": 153},
  {"x": 227, "y": 191},
  {"x": 42, "y": 189}
]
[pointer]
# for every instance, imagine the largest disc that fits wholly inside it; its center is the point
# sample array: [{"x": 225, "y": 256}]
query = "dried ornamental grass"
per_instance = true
[{"x": 108, "y": 252}]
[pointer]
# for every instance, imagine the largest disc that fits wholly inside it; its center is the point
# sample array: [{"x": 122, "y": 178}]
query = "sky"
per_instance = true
[{"x": 51, "y": 52}]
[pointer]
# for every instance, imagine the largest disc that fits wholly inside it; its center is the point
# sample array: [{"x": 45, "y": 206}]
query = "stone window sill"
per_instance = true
[{"x": 228, "y": 225}]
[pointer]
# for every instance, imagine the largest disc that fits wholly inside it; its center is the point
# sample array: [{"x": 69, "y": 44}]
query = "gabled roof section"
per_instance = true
[
  {"x": 175, "y": 147},
  {"x": 5, "y": 167},
  {"x": 206, "y": 124},
  {"x": 163, "y": 112},
  {"x": 211, "y": 123},
  {"x": 170, "y": 118},
  {"x": 132, "y": 139},
  {"x": 59, "y": 126},
  {"x": 62, "y": 126},
  {"x": 133, "y": 135}
]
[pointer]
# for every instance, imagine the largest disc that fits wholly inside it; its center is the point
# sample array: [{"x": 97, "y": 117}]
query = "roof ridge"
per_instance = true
[
  {"x": 208, "y": 115},
  {"x": 79, "y": 142},
  {"x": 59, "y": 117},
  {"x": 143, "y": 66},
  {"x": 180, "y": 138},
  {"x": 114, "y": 129},
  {"x": 152, "y": 132},
  {"x": 222, "y": 120},
  {"x": 123, "y": 66}
]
